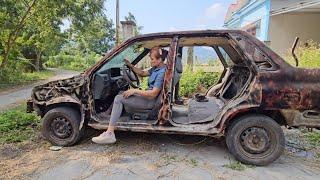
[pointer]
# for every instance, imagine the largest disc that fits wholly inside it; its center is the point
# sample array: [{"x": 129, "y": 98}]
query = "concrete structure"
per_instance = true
[
  {"x": 127, "y": 30},
  {"x": 276, "y": 22}
]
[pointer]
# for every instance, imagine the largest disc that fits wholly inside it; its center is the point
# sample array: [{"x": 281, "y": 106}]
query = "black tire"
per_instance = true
[
  {"x": 255, "y": 139},
  {"x": 61, "y": 126}
]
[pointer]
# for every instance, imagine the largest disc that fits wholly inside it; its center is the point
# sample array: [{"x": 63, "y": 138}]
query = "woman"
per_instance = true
[{"x": 134, "y": 97}]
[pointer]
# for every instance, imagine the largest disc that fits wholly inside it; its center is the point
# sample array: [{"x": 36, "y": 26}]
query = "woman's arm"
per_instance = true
[
  {"x": 147, "y": 93},
  {"x": 138, "y": 71}
]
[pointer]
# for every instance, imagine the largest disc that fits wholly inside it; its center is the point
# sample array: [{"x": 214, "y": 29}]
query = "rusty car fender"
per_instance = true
[
  {"x": 248, "y": 101},
  {"x": 68, "y": 99}
]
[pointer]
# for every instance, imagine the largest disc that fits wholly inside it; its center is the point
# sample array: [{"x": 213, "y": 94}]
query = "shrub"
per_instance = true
[
  {"x": 77, "y": 62},
  {"x": 198, "y": 81},
  {"x": 11, "y": 75},
  {"x": 16, "y": 125},
  {"x": 309, "y": 55}
]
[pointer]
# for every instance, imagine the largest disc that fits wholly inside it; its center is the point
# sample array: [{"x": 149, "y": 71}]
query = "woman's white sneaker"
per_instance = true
[{"x": 105, "y": 138}]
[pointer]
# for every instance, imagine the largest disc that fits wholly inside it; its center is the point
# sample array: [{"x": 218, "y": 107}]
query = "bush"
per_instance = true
[
  {"x": 77, "y": 62},
  {"x": 309, "y": 56},
  {"x": 11, "y": 75},
  {"x": 198, "y": 81},
  {"x": 16, "y": 125},
  {"x": 192, "y": 82}
]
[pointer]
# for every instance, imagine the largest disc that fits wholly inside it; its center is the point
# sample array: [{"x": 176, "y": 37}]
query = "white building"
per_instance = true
[{"x": 276, "y": 22}]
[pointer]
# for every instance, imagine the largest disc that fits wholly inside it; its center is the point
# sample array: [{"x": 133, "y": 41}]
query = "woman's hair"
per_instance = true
[{"x": 159, "y": 53}]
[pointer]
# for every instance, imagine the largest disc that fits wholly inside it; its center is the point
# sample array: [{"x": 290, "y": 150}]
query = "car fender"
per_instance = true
[{"x": 69, "y": 100}]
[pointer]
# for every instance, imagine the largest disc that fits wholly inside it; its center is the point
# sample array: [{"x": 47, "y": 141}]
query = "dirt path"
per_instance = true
[
  {"x": 145, "y": 156},
  {"x": 11, "y": 97}
]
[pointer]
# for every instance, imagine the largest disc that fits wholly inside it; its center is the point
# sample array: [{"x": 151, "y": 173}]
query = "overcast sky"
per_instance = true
[{"x": 172, "y": 15}]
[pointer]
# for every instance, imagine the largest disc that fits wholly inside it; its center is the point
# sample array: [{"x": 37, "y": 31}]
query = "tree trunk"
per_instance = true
[
  {"x": 5, "y": 59},
  {"x": 37, "y": 62},
  {"x": 14, "y": 35},
  {"x": 190, "y": 58}
]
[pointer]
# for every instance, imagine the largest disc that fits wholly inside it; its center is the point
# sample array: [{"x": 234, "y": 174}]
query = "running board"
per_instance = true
[{"x": 205, "y": 131}]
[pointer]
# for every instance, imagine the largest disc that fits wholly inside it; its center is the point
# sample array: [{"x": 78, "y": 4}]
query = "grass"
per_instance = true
[
  {"x": 308, "y": 56},
  {"x": 313, "y": 138},
  {"x": 238, "y": 166},
  {"x": 193, "y": 162},
  {"x": 25, "y": 78},
  {"x": 16, "y": 125}
]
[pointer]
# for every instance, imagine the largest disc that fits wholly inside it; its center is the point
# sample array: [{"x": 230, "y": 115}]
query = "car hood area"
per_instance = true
[{"x": 59, "y": 88}]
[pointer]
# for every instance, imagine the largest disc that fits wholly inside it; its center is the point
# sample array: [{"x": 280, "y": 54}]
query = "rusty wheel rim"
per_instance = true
[
  {"x": 255, "y": 140},
  {"x": 61, "y": 128}
]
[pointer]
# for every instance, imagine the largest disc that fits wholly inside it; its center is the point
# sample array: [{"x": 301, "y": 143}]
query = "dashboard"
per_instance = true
[{"x": 108, "y": 82}]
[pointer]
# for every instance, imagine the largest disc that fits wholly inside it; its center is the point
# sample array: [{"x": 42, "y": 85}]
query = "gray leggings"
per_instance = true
[{"x": 134, "y": 101}]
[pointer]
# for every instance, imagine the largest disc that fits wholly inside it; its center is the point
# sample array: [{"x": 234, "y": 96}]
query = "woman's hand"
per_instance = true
[
  {"x": 127, "y": 62},
  {"x": 129, "y": 93}
]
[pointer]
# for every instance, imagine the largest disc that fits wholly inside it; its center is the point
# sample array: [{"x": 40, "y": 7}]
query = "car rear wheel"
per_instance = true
[
  {"x": 61, "y": 126},
  {"x": 255, "y": 139}
]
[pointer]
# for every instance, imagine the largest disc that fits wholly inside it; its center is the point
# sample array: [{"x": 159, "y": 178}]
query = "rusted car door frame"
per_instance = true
[{"x": 165, "y": 113}]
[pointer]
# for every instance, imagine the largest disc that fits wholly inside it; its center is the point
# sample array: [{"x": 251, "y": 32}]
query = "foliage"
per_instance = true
[
  {"x": 16, "y": 125},
  {"x": 34, "y": 30},
  {"x": 144, "y": 83},
  {"x": 238, "y": 166},
  {"x": 192, "y": 82},
  {"x": 198, "y": 81},
  {"x": 13, "y": 76},
  {"x": 313, "y": 138},
  {"x": 308, "y": 55},
  {"x": 74, "y": 61}
]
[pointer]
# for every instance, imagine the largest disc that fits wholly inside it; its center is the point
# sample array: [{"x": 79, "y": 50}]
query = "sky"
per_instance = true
[{"x": 172, "y": 15}]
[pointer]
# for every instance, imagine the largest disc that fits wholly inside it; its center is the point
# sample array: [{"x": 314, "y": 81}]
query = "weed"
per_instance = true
[
  {"x": 16, "y": 125},
  {"x": 313, "y": 138},
  {"x": 193, "y": 162},
  {"x": 308, "y": 55},
  {"x": 9, "y": 77},
  {"x": 238, "y": 166}
]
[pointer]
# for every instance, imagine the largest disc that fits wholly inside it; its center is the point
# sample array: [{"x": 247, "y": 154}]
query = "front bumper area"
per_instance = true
[{"x": 30, "y": 107}]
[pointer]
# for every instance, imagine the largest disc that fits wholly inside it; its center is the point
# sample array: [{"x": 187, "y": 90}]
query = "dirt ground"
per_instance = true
[{"x": 149, "y": 156}]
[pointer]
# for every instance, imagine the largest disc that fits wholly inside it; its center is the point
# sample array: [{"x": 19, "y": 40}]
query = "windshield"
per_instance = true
[{"x": 130, "y": 53}]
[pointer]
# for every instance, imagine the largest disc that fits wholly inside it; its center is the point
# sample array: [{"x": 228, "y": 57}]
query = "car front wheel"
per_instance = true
[
  {"x": 61, "y": 126},
  {"x": 255, "y": 139}
]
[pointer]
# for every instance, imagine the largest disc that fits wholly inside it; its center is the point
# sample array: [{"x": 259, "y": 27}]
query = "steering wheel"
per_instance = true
[{"x": 130, "y": 76}]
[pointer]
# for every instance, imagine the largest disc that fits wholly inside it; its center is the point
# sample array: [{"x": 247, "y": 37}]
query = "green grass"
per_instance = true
[
  {"x": 313, "y": 138},
  {"x": 16, "y": 125},
  {"x": 193, "y": 162},
  {"x": 14, "y": 79},
  {"x": 309, "y": 57},
  {"x": 238, "y": 166}
]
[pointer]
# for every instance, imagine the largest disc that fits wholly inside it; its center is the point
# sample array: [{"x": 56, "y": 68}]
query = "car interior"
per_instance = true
[{"x": 114, "y": 77}]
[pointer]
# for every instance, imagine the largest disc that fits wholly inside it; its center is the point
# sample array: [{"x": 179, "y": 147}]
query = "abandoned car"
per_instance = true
[{"x": 257, "y": 93}]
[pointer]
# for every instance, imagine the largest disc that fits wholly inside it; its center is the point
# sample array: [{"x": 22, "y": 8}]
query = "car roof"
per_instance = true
[{"x": 186, "y": 33}]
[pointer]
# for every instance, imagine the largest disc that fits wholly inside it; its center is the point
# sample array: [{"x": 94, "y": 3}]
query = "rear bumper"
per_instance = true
[{"x": 30, "y": 107}]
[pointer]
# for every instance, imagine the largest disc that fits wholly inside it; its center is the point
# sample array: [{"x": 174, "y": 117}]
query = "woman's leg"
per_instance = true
[
  {"x": 116, "y": 112},
  {"x": 134, "y": 101},
  {"x": 108, "y": 136}
]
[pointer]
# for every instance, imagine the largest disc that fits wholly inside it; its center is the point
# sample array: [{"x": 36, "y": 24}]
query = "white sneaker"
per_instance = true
[{"x": 105, "y": 138}]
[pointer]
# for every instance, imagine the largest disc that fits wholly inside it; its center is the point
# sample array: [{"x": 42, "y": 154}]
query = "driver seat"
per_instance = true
[{"x": 144, "y": 114}]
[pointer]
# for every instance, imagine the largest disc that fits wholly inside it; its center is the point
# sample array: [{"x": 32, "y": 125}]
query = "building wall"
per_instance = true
[
  {"x": 252, "y": 12},
  {"x": 279, "y": 4},
  {"x": 259, "y": 13},
  {"x": 285, "y": 27}
]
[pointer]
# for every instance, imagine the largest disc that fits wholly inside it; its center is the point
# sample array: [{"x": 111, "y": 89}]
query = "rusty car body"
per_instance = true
[{"x": 258, "y": 93}]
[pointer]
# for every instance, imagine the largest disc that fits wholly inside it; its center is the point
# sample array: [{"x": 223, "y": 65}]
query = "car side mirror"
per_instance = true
[{"x": 293, "y": 51}]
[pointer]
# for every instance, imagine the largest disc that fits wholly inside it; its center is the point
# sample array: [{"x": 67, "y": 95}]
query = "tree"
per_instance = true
[
  {"x": 13, "y": 17},
  {"x": 31, "y": 28}
]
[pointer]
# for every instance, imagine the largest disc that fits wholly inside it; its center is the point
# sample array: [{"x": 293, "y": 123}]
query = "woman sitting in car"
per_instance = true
[{"x": 136, "y": 98}]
